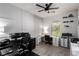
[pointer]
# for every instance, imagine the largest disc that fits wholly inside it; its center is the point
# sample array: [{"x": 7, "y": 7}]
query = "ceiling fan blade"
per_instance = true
[
  {"x": 49, "y": 5},
  {"x": 39, "y": 6},
  {"x": 53, "y": 8},
  {"x": 40, "y": 10}
]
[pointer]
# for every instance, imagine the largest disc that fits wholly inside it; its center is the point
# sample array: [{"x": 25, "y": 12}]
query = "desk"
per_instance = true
[{"x": 74, "y": 49}]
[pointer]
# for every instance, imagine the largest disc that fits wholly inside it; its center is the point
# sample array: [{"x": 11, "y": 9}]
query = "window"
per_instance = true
[
  {"x": 1, "y": 31},
  {"x": 55, "y": 29},
  {"x": 1, "y": 28},
  {"x": 3, "y": 23}
]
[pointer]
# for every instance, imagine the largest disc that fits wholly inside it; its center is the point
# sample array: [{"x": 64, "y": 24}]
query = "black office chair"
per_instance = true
[{"x": 48, "y": 39}]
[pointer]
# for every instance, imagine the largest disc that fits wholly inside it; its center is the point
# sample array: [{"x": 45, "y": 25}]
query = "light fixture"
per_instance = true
[{"x": 45, "y": 29}]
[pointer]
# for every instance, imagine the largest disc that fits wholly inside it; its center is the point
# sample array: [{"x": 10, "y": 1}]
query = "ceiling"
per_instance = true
[{"x": 63, "y": 7}]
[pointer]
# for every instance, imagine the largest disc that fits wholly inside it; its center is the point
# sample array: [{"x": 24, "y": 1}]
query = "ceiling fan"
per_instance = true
[{"x": 47, "y": 7}]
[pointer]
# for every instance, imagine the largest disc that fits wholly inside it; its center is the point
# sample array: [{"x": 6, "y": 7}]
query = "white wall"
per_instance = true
[
  {"x": 78, "y": 22},
  {"x": 73, "y": 26},
  {"x": 20, "y": 20}
]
